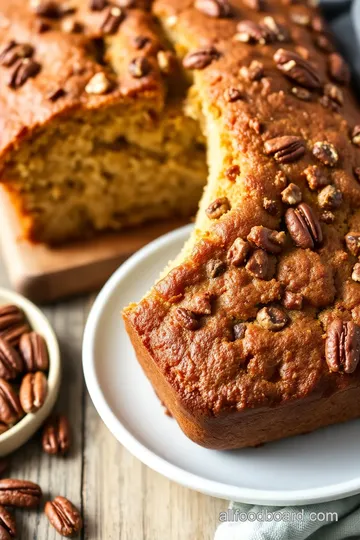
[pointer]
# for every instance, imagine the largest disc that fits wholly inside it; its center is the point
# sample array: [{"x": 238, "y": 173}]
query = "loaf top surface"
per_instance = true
[
  {"x": 50, "y": 52},
  {"x": 266, "y": 308}
]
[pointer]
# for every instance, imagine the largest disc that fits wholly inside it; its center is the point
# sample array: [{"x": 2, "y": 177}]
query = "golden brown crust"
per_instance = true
[{"x": 291, "y": 121}]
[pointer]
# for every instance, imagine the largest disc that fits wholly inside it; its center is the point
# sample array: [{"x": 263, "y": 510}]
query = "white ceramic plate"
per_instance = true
[
  {"x": 310, "y": 468},
  {"x": 30, "y": 423}
]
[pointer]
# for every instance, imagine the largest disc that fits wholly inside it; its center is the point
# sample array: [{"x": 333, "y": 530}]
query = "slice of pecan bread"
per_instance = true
[
  {"x": 254, "y": 334},
  {"x": 92, "y": 132}
]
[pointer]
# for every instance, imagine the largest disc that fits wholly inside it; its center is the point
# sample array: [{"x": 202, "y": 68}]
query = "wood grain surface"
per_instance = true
[{"x": 121, "y": 499}]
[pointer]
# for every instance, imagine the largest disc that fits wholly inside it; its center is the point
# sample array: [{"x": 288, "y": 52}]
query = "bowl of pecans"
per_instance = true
[{"x": 29, "y": 370}]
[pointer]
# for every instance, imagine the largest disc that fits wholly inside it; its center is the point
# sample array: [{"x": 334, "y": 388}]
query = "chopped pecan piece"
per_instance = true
[
  {"x": 291, "y": 194},
  {"x": 334, "y": 92},
  {"x": 293, "y": 300},
  {"x": 355, "y": 135},
  {"x": 187, "y": 319},
  {"x": 232, "y": 172},
  {"x": 330, "y": 198},
  {"x": 338, "y": 68},
  {"x": 342, "y": 346},
  {"x": 252, "y": 32},
  {"x": 239, "y": 330},
  {"x": 279, "y": 31},
  {"x": 139, "y": 67},
  {"x": 112, "y": 20},
  {"x": 99, "y": 84},
  {"x": 301, "y": 93},
  {"x": 214, "y": 8},
  {"x": 326, "y": 153},
  {"x": 285, "y": 149},
  {"x": 233, "y": 94},
  {"x": 215, "y": 267},
  {"x": 267, "y": 239},
  {"x": 261, "y": 265},
  {"x": 356, "y": 273},
  {"x": 352, "y": 240},
  {"x": 238, "y": 252},
  {"x": 270, "y": 206},
  {"x": 217, "y": 208},
  {"x": 272, "y": 318},
  {"x": 303, "y": 226},
  {"x": 315, "y": 177}
]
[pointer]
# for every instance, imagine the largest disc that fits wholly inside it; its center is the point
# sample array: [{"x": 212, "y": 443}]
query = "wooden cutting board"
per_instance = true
[{"x": 45, "y": 274}]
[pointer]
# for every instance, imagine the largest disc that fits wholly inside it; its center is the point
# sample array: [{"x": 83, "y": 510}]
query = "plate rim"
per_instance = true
[{"x": 149, "y": 457}]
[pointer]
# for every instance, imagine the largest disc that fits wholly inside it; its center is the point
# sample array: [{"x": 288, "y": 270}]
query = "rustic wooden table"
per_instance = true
[{"x": 121, "y": 499}]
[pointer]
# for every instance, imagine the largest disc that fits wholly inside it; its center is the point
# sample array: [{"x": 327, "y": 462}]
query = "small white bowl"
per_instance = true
[{"x": 21, "y": 432}]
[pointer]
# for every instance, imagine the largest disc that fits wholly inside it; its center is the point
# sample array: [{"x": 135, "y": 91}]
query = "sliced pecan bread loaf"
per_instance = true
[
  {"x": 92, "y": 132},
  {"x": 254, "y": 334}
]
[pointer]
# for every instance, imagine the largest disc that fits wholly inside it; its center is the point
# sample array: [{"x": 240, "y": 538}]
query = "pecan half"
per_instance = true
[
  {"x": 267, "y": 239},
  {"x": 326, "y": 153},
  {"x": 251, "y": 32},
  {"x": 330, "y": 198},
  {"x": 33, "y": 391},
  {"x": 187, "y": 319},
  {"x": 56, "y": 435},
  {"x": 261, "y": 265},
  {"x": 238, "y": 252},
  {"x": 34, "y": 351},
  {"x": 272, "y": 318},
  {"x": 214, "y": 8},
  {"x": 338, "y": 68},
  {"x": 12, "y": 323},
  {"x": 342, "y": 346},
  {"x": 297, "y": 69},
  {"x": 10, "y": 408},
  {"x": 112, "y": 20},
  {"x": 7, "y": 524},
  {"x": 218, "y": 208},
  {"x": 201, "y": 58},
  {"x": 285, "y": 149},
  {"x": 63, "y": 516},
  {"x": 14, "y": 52},
  {"x": 352, "y": 240},
  {"x": 11, "y": 364},
  {"x": 19, "y": 493},
  {"x": 303, "y": 226},
  {"x": 24, "y": 70}
]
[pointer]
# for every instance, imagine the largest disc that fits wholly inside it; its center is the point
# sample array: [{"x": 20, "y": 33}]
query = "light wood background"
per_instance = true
[{"x": 121, "y": 499}]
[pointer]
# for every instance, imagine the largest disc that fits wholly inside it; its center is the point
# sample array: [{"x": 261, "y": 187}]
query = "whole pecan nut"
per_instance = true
[
  {"x": 201, "y": 58},
  {"x": 63, "y": 516},
  {"x": 11, "y": 364},
  {"x": 34, "y": 352},
  {"x": 303, "y": 226},
  {"x": 297, "y": 69},
  {"x": 10, "y": 408},
  {"x": 285, "y": 149},
  {"x": 342, "y": 346},
  {"x": 19, "y": 493},
  {"x": 33, "y": 391},
  {"x": 272, "y": 318},
  {"x": 56, "y": 435},
  {"x": 217, "y": 208},
  {"x": 7, "y": 524},
  {"x": 267, "y": 239}
]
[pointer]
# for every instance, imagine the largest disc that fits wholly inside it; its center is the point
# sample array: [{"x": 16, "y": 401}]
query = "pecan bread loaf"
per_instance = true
[
  {"x": 254, "y": 332},
  {"x": 92, "y": 130}
]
